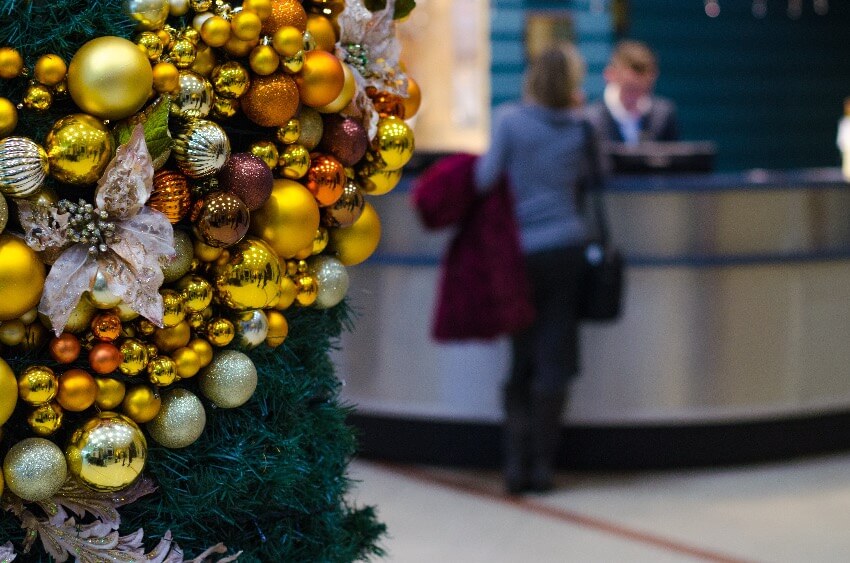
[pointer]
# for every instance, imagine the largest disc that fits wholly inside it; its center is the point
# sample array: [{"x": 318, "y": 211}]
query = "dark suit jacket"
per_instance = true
[{"x": 660, "y": 124}]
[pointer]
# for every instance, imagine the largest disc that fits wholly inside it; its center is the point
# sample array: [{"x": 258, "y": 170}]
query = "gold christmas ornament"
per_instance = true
[
  {"x": 393, "y": 143},
  {"x": 100, "y": 295},
  {"x": 77, "y": 390},
  {"x": 23, "y": 167},
  {"x": 271, "y": 100},
  {"x": 50, "y": 69},
  {"x": 322, "y": 31},
  {"x": 11, "y": 63},
  {"x": 238, "y": 48},
  {"x": 37, "y": 385},
  {"x": 230, "y": 379},
  {"x": 278, "y": 329},
  {"x": 263, "y": 8},
  {"x": 205, "y": 252},
  {"x": 252, "y": 328},
  {"x": 197, "y": 292},
  {"x": 307, "y": 290},
  {"x": 413, "y": 99},
  {"x": 34, "y": 469},
  {"x": 8, "y": 391},
  {"x": 148, "y": 14},
  {"x": 263, "y": 59},
  {"x": 332, "y": 279},
  {"x": 169, "y": 339},
  {"x": 78, "y": 148},
  {"x": 230, "y": 79},
  {"x": 288, "y": 220},
  {"x": 283, "y": 13},
  {"x": 195, "y": 96},
  {"x": 220, "y": 332},
  {"x": 180, "y": 421},
  {"x": 151, "y": 45},
  {"x": 386, "y": 103},
  {"x": 125, "y": 314},
  {"x": 215, "y": 31},
  {"x": 21, "y": 277},
  {"x": 162, "y": 371},
  {"x": 246, "y": 25},
  {"x": 175, "y": 268},
  {"x": 13, "y": 332},
  {"x": 250, "y": 279},
  {"x": 326, "y": 179},
  {"x": 375, "y": 181},
  {"x": 46, "y": 419},
  {"x": 171, "y": 195},
  {"x": 312, "y": 127},
  {"x": 321, "y": 79},
  {"x": 294, "y": 162},
  {"x": 141, "y": 403},
  {"x": 293, "y": 64},
  {"x": 183, "y": 53},
  {"x": 288, "y": 41},
  {"x": 288, "y": 292},
  {"x": 205, "y": 60},
  {"x": 220, "y": 219},
  {"x": 349, "y": 88},
  {"x": 110, "y": 393},
  {"x": 178, "y": 8},
  {"x": 225, "y": 108},
  {"x": 172, "y": 307},
  {"x": 290, "y": 132},
  {"x": 266, "y": 151},
  {"x": 106, "y": 326},
  {"x": 37, "y": 97},
  {"x": 166, "y": 77},
  {"x": 201, "y": 148},
  {"x": 356, "y": 243},
  {"x": 80, "y": 317},
  {"x": 8, "y": 117},
  {"x": 321, "y": 241},
  {"x": 186, "y": 362},
  {"x": 109, "y": 77},
  {"x": 203, "y": 349},
  {"x": 134, "y": 356},
  {"x": 107, "y": 453},
  {"x": 347, "y": 208}
]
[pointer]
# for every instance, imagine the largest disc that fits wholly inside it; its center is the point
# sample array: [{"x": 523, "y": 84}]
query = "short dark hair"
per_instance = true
[{"x": 636, "y": 56}]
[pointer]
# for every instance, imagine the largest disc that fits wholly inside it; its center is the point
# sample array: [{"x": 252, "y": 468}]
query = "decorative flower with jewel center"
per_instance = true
[{"x": 117, "y": 236}]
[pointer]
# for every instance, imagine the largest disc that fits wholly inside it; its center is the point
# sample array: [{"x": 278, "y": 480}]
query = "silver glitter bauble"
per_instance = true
[
  {"x": 201, "y": 148},
  {"x": 229, "y": 380},
  {"x": 180, "y": 421},
  {"x": 23, "y": 166},
  {"x": 332, "y": 278},
  {"x": 35, "y": 469}
]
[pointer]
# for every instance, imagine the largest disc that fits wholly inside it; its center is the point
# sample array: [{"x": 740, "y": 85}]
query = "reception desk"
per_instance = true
[{"x": 733, "y": 345}]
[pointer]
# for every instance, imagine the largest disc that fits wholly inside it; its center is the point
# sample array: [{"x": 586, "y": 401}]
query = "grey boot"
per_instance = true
[
  {"x": 547, "y": 409},
  {"x": 516, "y": 440}
]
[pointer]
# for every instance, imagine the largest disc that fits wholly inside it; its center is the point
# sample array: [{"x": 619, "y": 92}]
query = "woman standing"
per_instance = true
[{"x": 546, "y": 152}]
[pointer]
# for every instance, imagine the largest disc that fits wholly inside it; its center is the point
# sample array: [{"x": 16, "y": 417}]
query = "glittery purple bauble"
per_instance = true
[
  {"x": 344, "y": 138},
  {"x": 246, "y": 176}
]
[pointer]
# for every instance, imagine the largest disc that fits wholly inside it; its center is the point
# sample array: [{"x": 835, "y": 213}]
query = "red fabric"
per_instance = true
[{"x": 483, "y": 290}]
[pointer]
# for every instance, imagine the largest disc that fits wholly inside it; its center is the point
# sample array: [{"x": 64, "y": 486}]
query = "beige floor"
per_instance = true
[{"x": 794, "y": 512}]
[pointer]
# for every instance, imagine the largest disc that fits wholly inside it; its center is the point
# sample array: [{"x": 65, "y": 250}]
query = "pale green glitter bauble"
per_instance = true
[
  {"x": 176, "y": 267},
  {"x": 230, "y": 379},
  {"x": 35, "y": 469},
  {"x": 180, "y": 421}
]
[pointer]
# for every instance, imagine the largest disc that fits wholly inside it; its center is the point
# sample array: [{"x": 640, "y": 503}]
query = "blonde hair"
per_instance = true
[
  {"x": 555, "y": 76},
  {"x": 636, "y": 56}
]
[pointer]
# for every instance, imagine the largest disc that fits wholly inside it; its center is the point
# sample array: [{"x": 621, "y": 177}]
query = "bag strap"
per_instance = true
[{"x": 594, "y": 184}]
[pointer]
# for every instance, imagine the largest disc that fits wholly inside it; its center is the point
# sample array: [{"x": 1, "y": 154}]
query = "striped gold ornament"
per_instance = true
[
  {"x": 201, "y": 148},
  {"x": 171, "y": 195},
  {"x": 23, "y": 167}
]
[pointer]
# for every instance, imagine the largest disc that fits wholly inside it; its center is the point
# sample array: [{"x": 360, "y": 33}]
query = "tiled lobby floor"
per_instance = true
[{"x": 792, "y": 512}]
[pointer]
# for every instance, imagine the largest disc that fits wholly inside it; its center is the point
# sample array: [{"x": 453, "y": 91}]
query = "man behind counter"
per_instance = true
[{"x": 629, "y": 112}]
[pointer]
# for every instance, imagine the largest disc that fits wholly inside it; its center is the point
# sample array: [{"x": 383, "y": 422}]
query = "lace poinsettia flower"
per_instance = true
[{"x": 117, "y": 236}]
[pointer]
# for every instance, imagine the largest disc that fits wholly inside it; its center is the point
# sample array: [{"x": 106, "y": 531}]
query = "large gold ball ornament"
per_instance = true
[
  {"x": 11, "y": 63},
  {"x": 283, "y": 13},
  {"x": 171, "y": 195},
  {"x": 252, "y": 327},
  {"x": 37, "y": 385},
  {"x": 332, "y": 279},
  {"x": 176, "y": 267},
  {"x": 8, "y": 391},
  {"x": 34, "y": 469},
  {"x": 238, "y": 48},
  {"x": 21, "y": 277},
  {"x": 180, "y": 421},
  {"x": 79, "y": 147},
  {"x": 110, "y": 393},
  {"x": 250, "y": 279},
  {"x": 349, "y": 88},
  {"x": 77, "y": 390},
  {"x": 356, "y": 243},
  {"x": 8, "y": 117},
  {"x": 278, "y": 329},
  {"x": 322, "y": 31},
  {"x": 230, "y": 379},
  {"x": 141, "y": 403},
  {"x": 148, "y": 14},
  {"x": 110, "y": 78},
  {"x": 134, "y": 356},
  {"x": 23, "y": 167},
  {"x": 162, "y": 371},
  {"x": 321, "y": 79},
  {"x": 288, "y": 220},
  {"x": 107, "y": 453},
  {"x": 230, "y": 79},
  {"x": 394, "y": 142},
  {"x": 347, "y": 208},
  {"x": 265, "y": 151},
  {"x": 201, "y": 148},
  {"x": 50, "y": 69},
  {"x": 271, "y": 100},
  {"x": 220, "y": 332},
  {"x": 169, "y": 339},
  {"x": 294, "y": 161},
  {"x": 326, "y": 179},
  {"x": 375, "y": 181},
  {"x": 220, "y": 219},
  {"x": 46, "y": 419},
  {"x": 195, "y": 96}
]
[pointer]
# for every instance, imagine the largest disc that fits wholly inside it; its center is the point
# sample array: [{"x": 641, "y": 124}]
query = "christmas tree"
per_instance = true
[{"x": 184, "y": 185}]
